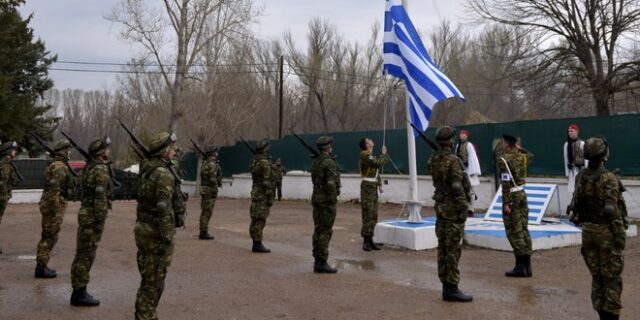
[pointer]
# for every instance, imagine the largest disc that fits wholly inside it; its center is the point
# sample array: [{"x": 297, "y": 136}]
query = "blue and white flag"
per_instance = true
[{"x": 405, "y": 57}]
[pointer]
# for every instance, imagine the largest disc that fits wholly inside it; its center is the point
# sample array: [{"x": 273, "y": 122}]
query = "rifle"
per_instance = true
[
  {"x": 88, "y": 158},
  {"x": 424, "y": 137},
  {"x": 248, "y": 146},
  {"x": 204, "y": 154},
  {"x": 51, "y": 152},
  {"x": 314, "y": 152},
  {"x": 16, "y": 172}
]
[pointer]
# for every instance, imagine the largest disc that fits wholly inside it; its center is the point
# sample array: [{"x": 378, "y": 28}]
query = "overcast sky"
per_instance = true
[{"x": 77, "y": 31}]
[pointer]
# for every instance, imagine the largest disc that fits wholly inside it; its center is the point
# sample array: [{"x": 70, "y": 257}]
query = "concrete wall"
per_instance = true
[{"x": 297, "y": 186}]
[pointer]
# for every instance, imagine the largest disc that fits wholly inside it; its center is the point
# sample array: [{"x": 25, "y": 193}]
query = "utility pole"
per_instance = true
[{"x": 281, "y": 94}]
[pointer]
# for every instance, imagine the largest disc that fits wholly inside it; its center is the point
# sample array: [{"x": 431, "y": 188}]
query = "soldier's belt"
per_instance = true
[
  {"x": 145, "y": 218},
  {"x": 367, "y": 179},
  {"x": 517, "y": 189}
]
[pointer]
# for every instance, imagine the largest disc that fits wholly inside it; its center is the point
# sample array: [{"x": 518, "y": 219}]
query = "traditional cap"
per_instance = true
[
  {"x": 574, "y": 127},
  {"x": 464, "y": 131}
]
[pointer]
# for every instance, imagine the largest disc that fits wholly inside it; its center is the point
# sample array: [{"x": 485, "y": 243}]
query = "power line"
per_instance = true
[
  {"x": 158, "y": 65},
  {"x": 157, "y": 71}
]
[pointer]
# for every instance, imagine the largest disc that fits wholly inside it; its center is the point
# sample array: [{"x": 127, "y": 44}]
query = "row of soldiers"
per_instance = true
[{"x": 598, "y": 207}]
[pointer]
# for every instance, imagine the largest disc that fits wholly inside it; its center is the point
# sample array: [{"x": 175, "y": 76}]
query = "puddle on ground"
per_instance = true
[
  {"x": 27, "y": 257},
  {"x": 346, "y": 264},
  {"x": 531, "y": 294}
]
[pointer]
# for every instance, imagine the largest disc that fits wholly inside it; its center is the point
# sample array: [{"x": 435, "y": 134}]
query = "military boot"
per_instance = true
[
  {"x": 204, "y": 235},
  {"x": 373, "y": 245},
  {"x": 451, "y": 293},
  {"x": 604, "y": 315},
  {"x": 43, "y": 272},
  {"x": 527, "y": 264},
  {"x": 81, "y": 298},
  {"x": 366, "y": 246},
  {"x": 520, "y": 270},
  {"x": 321, "y": 266},
  {"x": 258, "y": 247}
]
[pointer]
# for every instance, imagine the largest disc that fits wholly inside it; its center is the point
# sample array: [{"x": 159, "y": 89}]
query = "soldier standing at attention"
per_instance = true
[
  {"x": 57, "y": 191},
  {"x": 210, "y": 181},
  {"x": 515, "y": 210},
  {"x": 599, "y": 207},
  {"x": 369, "y": 166},
  {"x": 158, "y": 216},
  {"x": 452, "y": 192},
  {"x": 326, "y": 188},
  {"x": 7, "y": 174},
  {"x": 279, "y": 171},
  {"x": 97, "y": 191},
  {"x": 574, "y": 160},
  {"x": 261, "y": 194}
]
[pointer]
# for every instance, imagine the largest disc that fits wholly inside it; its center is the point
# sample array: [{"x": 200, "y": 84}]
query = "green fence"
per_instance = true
[{"x": 544, "y": 138}]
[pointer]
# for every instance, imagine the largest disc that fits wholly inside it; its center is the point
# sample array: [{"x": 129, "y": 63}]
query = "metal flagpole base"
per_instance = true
[{"x": 414, "y": 208}]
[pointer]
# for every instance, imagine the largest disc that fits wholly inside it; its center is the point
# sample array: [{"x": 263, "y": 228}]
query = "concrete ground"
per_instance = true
[{"x": 222, "y": 279}]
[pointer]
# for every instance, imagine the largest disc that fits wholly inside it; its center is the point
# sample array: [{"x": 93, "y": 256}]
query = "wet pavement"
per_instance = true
[{"x": 222, "y": 279}]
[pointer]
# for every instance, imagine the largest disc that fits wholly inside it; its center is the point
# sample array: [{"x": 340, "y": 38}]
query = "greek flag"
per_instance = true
[{"x": 405, "y": 57}]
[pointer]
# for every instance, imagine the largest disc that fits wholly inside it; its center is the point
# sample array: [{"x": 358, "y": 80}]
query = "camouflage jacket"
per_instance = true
[
  {"x": 97, "y": 187},
  {"x": 262, "y": 176},
  {"x": 7, "y": 179},
  {"x": 518, "y": 161},
  {"x": 279, "y": 171},
  {"x": 368, "y": 164},
  {"x": 156, "y": 197},
  {"x": 594, "y": 189},
  {"x": 58, "y": 181},
  {"x": 326, "y": 180},
  {"x": 210, "y": 176},
  {"x": 446, "y": 169}
]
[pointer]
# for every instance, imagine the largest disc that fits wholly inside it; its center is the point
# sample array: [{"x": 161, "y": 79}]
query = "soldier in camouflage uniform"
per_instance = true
[
  {"x": 279, "y": 171},
  {"x": 97, "y": 192},
  {"x": 8, "y": 177},
  {"x": 261, "y": 194},
  {"x": 210, "y": 181},
  {"x": 515, "y": 210},
  {"x": 53, "y": 203},
  {"x": 369, "y": 166},
  {"x": 159, "y": 213},
  {"x": 599, "y": 207},
  {"x": 326, "y": 189},
  {"x": 452, "y": 195}
]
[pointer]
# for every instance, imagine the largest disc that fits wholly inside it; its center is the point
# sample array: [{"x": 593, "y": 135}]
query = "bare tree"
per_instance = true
[
  {"x": 585, "y": 38},
  {"x": 193, "y": 25}
]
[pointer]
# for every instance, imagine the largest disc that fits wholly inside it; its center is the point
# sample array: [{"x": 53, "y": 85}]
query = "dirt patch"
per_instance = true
[{"x": 222, "y": 279}]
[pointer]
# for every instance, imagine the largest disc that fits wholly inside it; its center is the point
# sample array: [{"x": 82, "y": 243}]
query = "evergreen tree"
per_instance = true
[{"x": 24, "y": 64}]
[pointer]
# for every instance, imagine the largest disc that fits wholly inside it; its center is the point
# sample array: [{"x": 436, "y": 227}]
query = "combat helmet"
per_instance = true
[
  {"x": 211, "y": 149},
  {"x": 97, "y": 146},
  {"x": 596, "y": 149},
  {"x": 7, "y": 147},
  {"x": 446, "y": 134},
  {"x": 262, "y": 146},
  {"x": 323, "y": 142},
  {"x": 161, "y": 143},
  {"x": 61, "y": 145}
]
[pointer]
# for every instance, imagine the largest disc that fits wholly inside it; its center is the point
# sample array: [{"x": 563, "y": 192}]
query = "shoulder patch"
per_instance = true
[{"x": 505, "y": 177}]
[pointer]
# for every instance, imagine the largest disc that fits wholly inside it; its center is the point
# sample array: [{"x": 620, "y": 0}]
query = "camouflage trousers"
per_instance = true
[
  {"x": 324, "y": 215},
  {"x": 369, "y": 204},
  {"x": 3, "y": 206},
  {"x": 52, "y": 215},
  {"x": 259, "y": 212},
  {"x": 154, "y": 257},
  {"x": 516, "y": 225},
  {"x": 278, "y": 185},
  {"x": 605, "y": 262},
  {"x": 90, "y": 228},
  {"x": 207, "y": 203}
]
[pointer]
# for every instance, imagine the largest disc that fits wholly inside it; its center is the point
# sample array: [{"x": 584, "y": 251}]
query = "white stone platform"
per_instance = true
[{"x": 413, "y": 236}]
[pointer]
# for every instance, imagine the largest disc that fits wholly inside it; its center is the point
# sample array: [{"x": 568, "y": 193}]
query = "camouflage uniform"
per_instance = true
[
  {"x": 210, "y": 180},
  {"x": 97, "y": 192},
  {"x": 368, "y": 166},
  {"x": 516, "y": 222},
  {"x": 8, "y": 178},
  {"x": 279, "y": 171},
  {"x": 261, "y": 192},
  {"x": 57, "y": 191},
  {"x": 158, "y": 215},
  {"x": 600, "y": 209},
  {"x": 452, "y": 192},
  {"x": 326, "y": 188}
]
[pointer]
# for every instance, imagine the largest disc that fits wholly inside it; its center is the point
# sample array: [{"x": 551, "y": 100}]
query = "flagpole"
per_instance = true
[{"x": 413, "y": 204}]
